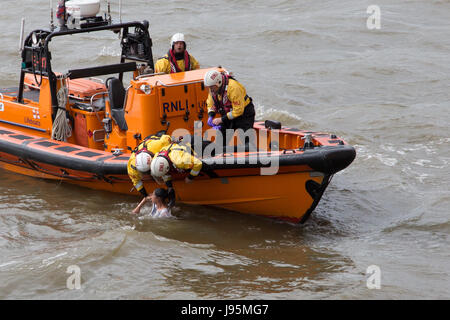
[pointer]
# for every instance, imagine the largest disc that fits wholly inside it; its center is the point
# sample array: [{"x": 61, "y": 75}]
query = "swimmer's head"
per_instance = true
[{"x": 160, "y": 194}]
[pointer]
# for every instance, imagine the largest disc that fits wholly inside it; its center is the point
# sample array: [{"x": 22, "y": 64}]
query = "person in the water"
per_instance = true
[{"x": 160, "y": 209}]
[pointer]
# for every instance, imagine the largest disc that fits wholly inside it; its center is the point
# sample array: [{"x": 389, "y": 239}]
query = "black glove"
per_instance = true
[
  {"x": 143, "y": 192},
  {"x": 171, "y": 197}
]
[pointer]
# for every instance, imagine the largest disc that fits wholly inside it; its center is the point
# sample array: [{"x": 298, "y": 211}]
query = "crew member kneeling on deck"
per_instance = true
[
  {"x": 228, "y": 98},
  {"x": 140, "y": 160},
  {"x": 177, "y": 59},
  {"x": 171, "y": 159}
]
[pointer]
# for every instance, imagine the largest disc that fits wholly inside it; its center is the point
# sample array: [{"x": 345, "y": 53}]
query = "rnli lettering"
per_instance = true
[
  {"x": 31, "y": 121},
  {"x": 174, "y": 106},
  {"x": 202, "y": 104}
]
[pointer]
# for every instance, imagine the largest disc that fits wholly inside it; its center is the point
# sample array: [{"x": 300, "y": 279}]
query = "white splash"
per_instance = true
[
  {"x": 8, "y": 263},
  {"x": 51, "y": 260}
]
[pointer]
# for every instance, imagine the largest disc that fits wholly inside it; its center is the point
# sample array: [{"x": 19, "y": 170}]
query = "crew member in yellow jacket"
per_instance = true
[
  {"x": 140, "y": 160},
  {"x": 177, "y": 59},
  {"x": 228, "y": 98},
  {"x": 175, "y": 158}
]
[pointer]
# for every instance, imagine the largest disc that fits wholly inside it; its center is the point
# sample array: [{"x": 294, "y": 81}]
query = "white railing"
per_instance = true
[
  {"x": 178, "y": 84},
  {"x": 149, "y": 75},
  {"x": 98, "y": 93},
  {"x": 2, "y": 106}
]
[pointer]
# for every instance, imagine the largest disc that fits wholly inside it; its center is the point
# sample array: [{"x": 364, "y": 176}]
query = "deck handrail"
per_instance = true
[{"x": 178, "y": 84}]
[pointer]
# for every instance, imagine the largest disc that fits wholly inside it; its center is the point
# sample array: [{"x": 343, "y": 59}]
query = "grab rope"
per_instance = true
[{"x": 61, "y": 129}]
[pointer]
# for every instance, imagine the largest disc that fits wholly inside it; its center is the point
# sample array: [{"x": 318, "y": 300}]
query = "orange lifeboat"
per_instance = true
[{"x": 284, "y": 177}]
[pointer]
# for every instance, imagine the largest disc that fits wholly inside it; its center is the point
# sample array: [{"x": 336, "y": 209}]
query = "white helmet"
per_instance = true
[
  {"x": 177, "y": 37},
  {"x": 212, "y": 77},
  {"x": 143, "y": 160},
  {"x": 159, "y": 167}
]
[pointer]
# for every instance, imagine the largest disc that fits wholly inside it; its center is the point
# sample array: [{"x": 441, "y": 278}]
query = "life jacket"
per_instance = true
[
  {"x": 61, "y": 10},
  {"x": 136, "y": 150},
  {"x": 174, "y": 68},
  {"x": 165, "y": 155},
  {"x": 222, "y": 106},
  {"x": 188, "y": 147}
]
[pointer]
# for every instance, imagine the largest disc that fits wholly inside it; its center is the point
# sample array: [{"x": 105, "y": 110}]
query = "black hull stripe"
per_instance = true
[
  {"x": 327, "y": 159},
  {"x": 95, "y": 166}
]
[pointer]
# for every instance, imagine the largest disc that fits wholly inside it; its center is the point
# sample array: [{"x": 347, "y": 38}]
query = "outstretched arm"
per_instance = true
[{"x": 138, "y": 208}]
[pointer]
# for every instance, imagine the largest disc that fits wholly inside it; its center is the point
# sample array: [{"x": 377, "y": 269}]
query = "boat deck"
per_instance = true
[{"x": 33, "y": 95}]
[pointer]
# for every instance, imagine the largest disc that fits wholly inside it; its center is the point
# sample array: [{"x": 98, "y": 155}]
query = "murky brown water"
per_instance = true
[{"x": 308, "y": 64}]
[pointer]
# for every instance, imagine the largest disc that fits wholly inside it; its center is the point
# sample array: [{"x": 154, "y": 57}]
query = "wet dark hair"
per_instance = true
[{"x": 161, "y": 193}]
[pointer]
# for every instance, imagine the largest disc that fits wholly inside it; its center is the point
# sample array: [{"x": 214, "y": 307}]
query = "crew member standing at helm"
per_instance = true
[
  {"x": 229, "y": 99},
  {"x": 175, "y": 158},
  {"x": 177, "y": 59},
  {"x": 140, "y": 160},
  {"x": 61, "y": 14}
]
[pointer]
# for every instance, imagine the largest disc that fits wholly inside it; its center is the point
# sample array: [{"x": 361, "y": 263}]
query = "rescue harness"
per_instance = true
[
  {"x": 165, "y": 154},
  {"x": 137, "y": 151},
  {"x": 174, "y": 68},
  {"x": 224, "y": 105}
]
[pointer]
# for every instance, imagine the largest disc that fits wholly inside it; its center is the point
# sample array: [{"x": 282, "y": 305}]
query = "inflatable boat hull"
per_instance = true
[{"x": 236, "y": 184}]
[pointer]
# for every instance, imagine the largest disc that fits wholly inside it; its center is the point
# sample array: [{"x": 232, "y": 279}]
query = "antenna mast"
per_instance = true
[
  {"x": 22, "y": 29},
  {"x": 52, "y": 26},
  {"x": 120, "y": 11},
  {"x": 108, "y": 5}
]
